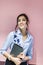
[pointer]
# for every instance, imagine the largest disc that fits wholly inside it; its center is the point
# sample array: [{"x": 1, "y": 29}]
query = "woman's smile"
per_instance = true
[{"x": 21, "y": 24}]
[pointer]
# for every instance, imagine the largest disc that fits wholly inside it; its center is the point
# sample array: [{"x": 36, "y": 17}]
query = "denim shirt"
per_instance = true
[{"x": 15, "y": 37}]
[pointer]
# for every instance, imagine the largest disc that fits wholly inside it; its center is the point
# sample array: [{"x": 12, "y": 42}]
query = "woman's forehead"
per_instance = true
[{"x": 22, "y": 17}]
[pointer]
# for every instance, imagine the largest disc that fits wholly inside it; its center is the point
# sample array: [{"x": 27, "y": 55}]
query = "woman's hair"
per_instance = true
[{"x": 27, "y": 19}]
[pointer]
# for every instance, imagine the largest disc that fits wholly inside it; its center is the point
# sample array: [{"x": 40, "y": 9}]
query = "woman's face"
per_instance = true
[{"x": 22, "y": 22}]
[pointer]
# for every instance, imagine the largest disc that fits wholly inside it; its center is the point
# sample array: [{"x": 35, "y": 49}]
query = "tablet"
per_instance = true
[{"x": 16, "y": 50}]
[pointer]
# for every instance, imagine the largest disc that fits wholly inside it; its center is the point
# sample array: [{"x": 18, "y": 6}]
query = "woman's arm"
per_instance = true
[
  {"x": 23, "y": 57},
  {"x": 16, "y": 60}
]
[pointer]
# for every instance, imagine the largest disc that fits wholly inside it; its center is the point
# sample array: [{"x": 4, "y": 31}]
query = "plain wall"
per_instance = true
[{"x": 10, "y": 9}]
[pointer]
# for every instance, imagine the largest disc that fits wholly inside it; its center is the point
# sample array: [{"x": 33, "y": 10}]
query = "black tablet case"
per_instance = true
[{"x": 16, "y": 50}]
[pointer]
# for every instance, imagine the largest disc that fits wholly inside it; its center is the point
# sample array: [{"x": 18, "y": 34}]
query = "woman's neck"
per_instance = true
[{"x": 24, "y": 32}]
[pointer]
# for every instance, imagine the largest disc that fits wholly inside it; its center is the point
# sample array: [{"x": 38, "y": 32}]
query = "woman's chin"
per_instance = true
[{"x": 22, "y": 28}]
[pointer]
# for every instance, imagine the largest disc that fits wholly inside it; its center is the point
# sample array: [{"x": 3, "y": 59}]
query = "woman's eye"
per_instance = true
[
  {"x": 19, "y": 20},
  {"x": 23, "y": 20}
]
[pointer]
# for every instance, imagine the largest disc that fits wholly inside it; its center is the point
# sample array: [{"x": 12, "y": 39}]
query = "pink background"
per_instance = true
[{"x": 10, "y": 9}]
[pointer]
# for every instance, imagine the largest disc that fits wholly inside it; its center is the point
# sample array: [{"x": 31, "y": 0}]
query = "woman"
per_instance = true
[{"x": 22, "y": 37}]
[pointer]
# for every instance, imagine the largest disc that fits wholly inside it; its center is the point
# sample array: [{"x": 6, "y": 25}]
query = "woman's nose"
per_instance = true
[{"x": 21, "y": 21}]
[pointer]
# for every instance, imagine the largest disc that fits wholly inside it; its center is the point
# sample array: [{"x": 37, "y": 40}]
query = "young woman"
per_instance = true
[{"x": 23, "y": 38}]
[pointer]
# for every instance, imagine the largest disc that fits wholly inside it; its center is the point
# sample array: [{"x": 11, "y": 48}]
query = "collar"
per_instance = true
[{"x": 18, "y": 31}]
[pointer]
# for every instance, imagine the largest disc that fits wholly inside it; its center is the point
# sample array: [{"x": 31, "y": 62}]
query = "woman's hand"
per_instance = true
[
  {"x": 21, "y": 55},
  {"x": 17, "y": 61}
]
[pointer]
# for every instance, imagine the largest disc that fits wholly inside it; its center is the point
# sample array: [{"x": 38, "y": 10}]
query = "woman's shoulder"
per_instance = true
[
  {"x": 30, "y": 35},
  {"x": 13, "y": 32}
]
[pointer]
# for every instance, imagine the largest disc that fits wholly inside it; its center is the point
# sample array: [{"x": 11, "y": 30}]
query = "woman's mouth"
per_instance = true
[{"x": 21, "y": 24}]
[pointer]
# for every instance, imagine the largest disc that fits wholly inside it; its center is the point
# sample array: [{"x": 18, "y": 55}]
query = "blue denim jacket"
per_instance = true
[{"x": 15, "y": 37}]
